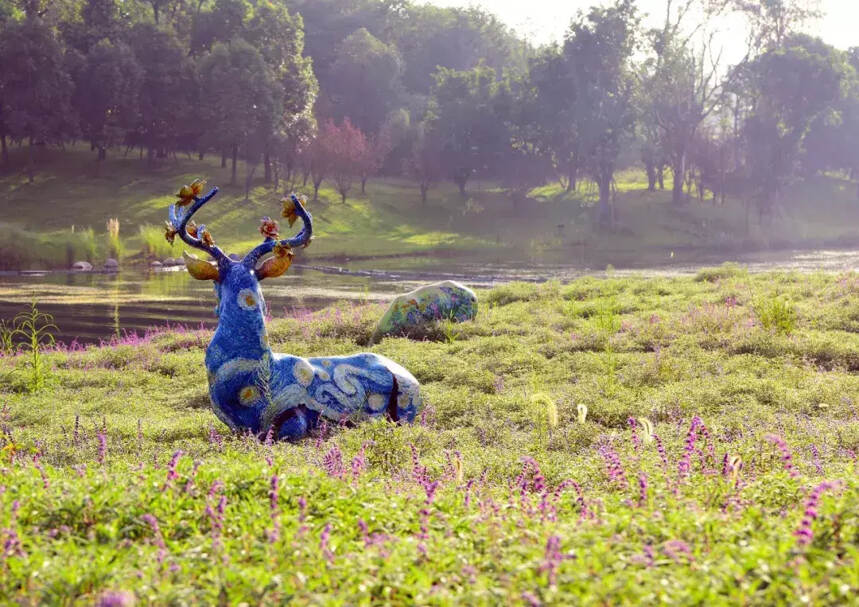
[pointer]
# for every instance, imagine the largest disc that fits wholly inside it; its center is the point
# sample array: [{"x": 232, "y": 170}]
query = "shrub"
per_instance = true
[
  {"x": 153, "y": 243},
  {"x": 776, "y": 315},
  {"x": 726, "y": 270}
]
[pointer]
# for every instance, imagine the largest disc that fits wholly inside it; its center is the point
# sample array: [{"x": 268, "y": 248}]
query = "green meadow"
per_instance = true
[
  {"x": 606, "y": 441},
  {"x": 62, "y": 217}
]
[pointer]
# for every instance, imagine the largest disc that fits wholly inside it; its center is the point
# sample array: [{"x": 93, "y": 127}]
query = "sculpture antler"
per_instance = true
[
  {"x": 278, "y": 264},
  {"x": 199, "y": 237}
]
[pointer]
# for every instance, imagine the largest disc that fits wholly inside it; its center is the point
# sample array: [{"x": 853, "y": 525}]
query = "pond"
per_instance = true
[{"x": 90, "y": 307}]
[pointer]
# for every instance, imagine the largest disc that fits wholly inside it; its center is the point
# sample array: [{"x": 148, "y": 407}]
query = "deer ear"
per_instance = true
[
  {"x": 199, "y": 268},
  {"x": 276, "y": 265}
]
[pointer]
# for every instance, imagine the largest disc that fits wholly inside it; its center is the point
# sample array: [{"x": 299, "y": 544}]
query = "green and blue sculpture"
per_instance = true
[
  {"x": 445, "y": 300},
  {"x": 255, "y": 389}
]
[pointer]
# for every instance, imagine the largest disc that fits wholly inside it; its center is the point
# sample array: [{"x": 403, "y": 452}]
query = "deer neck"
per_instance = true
[{"x": 241, "y": 332}]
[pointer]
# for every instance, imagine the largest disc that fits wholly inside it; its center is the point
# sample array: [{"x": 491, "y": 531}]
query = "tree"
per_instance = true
[
  {"x": 424, "y": 162},
  {"x": 552, "y": 76},
  {"x": 772, "y": 21},
  {"x": 527, "y": 161},
  {"x": 464, "y": 117},
  {"x": 454, "y": 38},
  {"x": 242, "y": 101},
  {"x": 599, "y": 46},
  {"x": 222, "y": 23},
  {"x": 790, "y": 87},
  {"x": 377, "y": 148},
  {"x": 280, "y": 39},
  {"x": 344, "y": 148},
  {"x": 106, "y": 96},
  {"x": 168, "y": 93},
  {"x": 35, "y": 86},
  {"x": 363, "y": 82}
]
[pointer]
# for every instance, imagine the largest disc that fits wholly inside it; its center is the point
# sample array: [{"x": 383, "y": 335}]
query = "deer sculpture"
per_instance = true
[{"x": 253, "y": 388}]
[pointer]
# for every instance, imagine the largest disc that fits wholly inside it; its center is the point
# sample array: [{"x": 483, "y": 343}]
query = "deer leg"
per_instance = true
[
  {"x": 294, "y": 423},
  {"x": 393, "y": 407}
]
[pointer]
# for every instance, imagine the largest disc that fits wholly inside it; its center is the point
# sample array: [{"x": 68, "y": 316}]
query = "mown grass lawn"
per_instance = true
[
  {"x": 62, "y": 216},
  {"x": 607, "y": 441}
]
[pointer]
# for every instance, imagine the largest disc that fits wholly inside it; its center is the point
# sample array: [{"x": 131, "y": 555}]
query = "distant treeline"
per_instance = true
[{"x": 346, "y": 89}]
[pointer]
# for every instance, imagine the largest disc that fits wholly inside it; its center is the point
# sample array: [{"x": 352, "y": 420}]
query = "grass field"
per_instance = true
[
  {"x": 62, "y": 216},
  {"x": 607, "y": 441}
]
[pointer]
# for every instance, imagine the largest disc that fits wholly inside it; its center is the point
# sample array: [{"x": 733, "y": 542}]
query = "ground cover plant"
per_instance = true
[{"x": 606, "y": 441}]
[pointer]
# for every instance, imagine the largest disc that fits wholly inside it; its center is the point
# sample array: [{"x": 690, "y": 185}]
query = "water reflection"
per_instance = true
[{"x": 91, "y": 307}]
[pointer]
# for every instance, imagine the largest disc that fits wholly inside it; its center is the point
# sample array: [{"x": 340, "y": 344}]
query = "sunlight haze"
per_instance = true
[{"x": 544, "y": 21}]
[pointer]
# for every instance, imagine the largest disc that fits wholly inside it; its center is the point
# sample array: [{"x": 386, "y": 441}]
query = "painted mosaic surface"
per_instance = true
[
  {"x": 439, "y": 301},
  {"x": 253, "y": 388}
]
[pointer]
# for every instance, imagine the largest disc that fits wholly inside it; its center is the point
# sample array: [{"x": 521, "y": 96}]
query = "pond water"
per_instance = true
[{"x": 89, "y": 307}]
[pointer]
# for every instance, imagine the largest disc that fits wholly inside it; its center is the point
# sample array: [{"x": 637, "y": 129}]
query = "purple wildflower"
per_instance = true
[
  {"x": 38, "y": 466},
  {"x": 684, "y": 466},
  {"x": 102, "y": 447},
  {"x": 786, "y": 457},
  {"x": 332, "y": 462},
  {"x": 660, "y": 448},
  {"x": 642, "y": 488},
  {"x": 215, "y": 438},
  {"x": 614, "y": 467},
  {"x": 531, "y": 599},
  {"x": 324, "y": 538},
  {"x": 804, "y": 533},
  {"x": 815, "y": 459},
  {"x": 359, "y": 463},
  {"x": 552, "y": 559},
  {"x": 676, "y": 548},
  {"x": 274, "y": 533},
  {"x": 115, "y": 598},
  {"x": 636, "y": 440},
  {"x": 172, "y": 475},
  {"x": 150, "y": 520}
]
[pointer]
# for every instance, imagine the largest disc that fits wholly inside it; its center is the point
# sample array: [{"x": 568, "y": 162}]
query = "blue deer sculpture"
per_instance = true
[{"x": 255, "y": 389}]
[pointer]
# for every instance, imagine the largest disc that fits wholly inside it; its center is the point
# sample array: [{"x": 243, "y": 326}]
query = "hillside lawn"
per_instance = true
[
  {"x": 37, "y": 220},
  {"x": 532, "y": 478}
]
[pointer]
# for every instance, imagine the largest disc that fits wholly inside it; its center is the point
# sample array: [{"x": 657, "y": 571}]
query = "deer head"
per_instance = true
[{"x": 237, "y": 281}]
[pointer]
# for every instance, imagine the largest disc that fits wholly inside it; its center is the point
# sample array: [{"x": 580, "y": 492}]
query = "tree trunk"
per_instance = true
[
  {"x": 200, "y": 155},
  {"x": 223, "y": 159},
  {"x": 267, "y": 168},
  {"x": 660, "y": 176},
  {"x": 460, "y": 181},
  {"x": 363, "y": 185},
  {"x": 235, "y": 159},
  {"x": 316, "y": 184},
  {"x": 650, "y": 168},
  {"x": 31, "y": 162},
  {"x": 604, "y": 214},
  {"x": 276, "y": 175},
  {"x": 249, "y": 178},
  {"x": 5, "y": 150},
  {"x": 424, "y": 190},
  {"x": 572, "y": 178},
  {"x": 150, "y": 156},
  {"x": 679, "y": 171},
  {"x": 343, "y": 196}
]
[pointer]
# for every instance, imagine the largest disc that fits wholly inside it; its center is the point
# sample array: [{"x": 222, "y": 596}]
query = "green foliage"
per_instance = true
[
  {"x": 776, "y": 314},
  {"x": 153, "y": 243},
  {"x": 364, "y": 80},
  {"x": 91, "y": 476},
  {"x": 34, "y": 329},
  {"x": 725, "y": 271}
]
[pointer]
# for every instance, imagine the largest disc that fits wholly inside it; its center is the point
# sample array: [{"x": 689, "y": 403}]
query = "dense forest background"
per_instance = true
[{"x": 342, "y": 90}]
